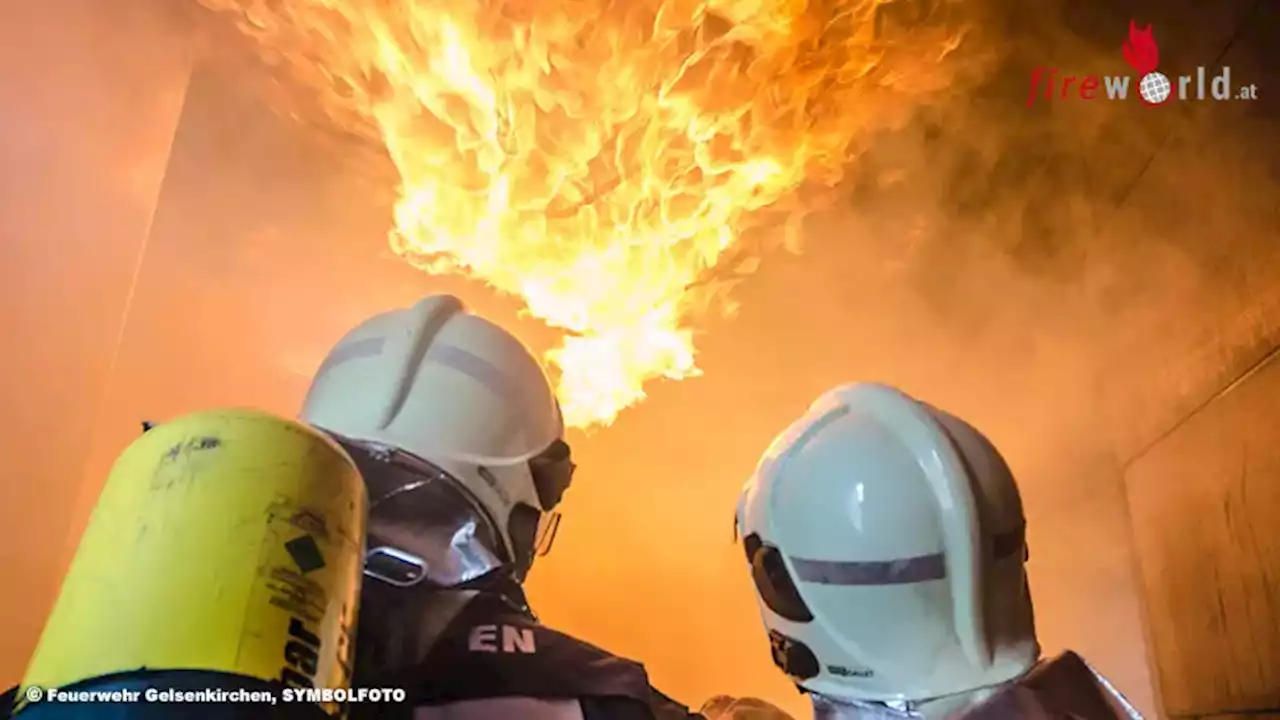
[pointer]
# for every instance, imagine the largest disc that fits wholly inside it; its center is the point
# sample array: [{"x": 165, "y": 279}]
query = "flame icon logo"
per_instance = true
[
  {"x": 1140, "y": 50},
  {"x": 1143, "y": 55}
]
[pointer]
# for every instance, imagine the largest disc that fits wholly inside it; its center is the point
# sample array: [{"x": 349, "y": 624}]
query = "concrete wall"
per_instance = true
[
  {"x": 92, "y": 95},
  {"x": 1205, "y": 502},
  {"x": 1198, "y": 431}
]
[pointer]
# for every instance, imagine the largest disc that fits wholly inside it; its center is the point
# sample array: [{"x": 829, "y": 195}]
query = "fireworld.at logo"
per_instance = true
[{"x": 1154, "y": 87}]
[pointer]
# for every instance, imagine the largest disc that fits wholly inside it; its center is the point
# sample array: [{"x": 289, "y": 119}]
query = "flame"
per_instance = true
[
  {"x": 598, "y": 158},
  {"x": 1140, "y": 50}
]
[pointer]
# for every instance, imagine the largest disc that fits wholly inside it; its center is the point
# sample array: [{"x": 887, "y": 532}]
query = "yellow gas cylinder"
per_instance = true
[{"x": 221, "y": 565}]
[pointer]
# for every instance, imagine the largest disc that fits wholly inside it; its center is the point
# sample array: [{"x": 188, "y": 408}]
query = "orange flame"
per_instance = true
[
  {"x": 598, "y": 158},
  {"x": 1140, "y": 50}
]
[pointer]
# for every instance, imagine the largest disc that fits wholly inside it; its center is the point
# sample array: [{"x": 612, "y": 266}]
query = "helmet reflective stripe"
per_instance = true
[
  {"x": 488, "y": 375},
  {"x": 455, "y": 358},
  {"x": 369, "y": 347},
  {"x": 475, "y": 367},
  {"x": 779, "y": 592},
  {"x": 917, "y": 569},
  {"x": 437, "y": 381}
]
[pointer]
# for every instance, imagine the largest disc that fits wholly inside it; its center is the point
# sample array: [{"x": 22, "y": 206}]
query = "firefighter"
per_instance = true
[
  {"x": 459, "y": 438},
  {"x": 886, "y": 543}
]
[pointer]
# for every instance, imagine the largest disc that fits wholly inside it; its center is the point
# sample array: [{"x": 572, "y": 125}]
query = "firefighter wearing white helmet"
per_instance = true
[
  {"x": 886, "y": 542},
  {"x": 458, "y": 435}
]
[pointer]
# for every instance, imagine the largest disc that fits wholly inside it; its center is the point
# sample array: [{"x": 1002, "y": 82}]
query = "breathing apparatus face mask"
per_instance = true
[{"x": 423, "y": 524}]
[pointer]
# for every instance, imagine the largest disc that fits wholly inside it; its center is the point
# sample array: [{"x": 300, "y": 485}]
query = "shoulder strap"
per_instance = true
[
  {"x": 395, "y": 638},
  {"x": 443, "y": 612}
]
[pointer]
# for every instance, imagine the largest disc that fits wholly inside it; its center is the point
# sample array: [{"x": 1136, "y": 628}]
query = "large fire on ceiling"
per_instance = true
[{"x": 600, "y": 159}]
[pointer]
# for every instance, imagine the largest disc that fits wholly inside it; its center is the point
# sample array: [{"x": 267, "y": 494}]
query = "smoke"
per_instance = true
[{"x": 1064, "y": 243}]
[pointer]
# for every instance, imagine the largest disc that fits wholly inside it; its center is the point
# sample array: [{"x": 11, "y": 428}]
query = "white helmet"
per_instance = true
[
  {"x": 455, "y": 397},
  {"x": 886, "y": 542}
]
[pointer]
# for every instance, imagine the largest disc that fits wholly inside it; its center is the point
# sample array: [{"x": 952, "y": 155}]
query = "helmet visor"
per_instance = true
[{"x": 423, "y": 524}]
